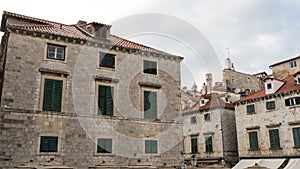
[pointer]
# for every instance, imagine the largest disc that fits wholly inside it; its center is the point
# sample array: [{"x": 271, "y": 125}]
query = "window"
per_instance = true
[
  {"x": 107, "y": 60},
  {"x": 52, "y": 98},
  {"x": 48, "y": 144},
  {"x": 250, "y": 109},
  {"x": 194, "y": 145},
  {"x": 150, "y": 67},
  {"x": 202, "y": 101},
  {"x": 56, "y": 52},
  {"x": 105, "y": 100},
  {"x": 253, "y": 140},
  {"x": 292, "y": 101},
  {"x": 151, "y": 146},
  {"x": 207, "y": 117},
  {"x": 298, "y": 81},
  {"x": 296, "y": 135},
  {"x": 193, "y": 119},
  {"x": 274, "y": 138},
  {"x": 270, "y": 105},
  {"x": 269, "y": 86},
  {"x": 150, "y": 104},
  {"x": 293, "y": 64},
  {"x": 104, "y": 145},
  {"x": 208, "y": 144}
]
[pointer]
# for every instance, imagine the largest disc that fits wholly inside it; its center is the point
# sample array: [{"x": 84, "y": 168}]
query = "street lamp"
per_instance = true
[{"x": 194, "y": 160}]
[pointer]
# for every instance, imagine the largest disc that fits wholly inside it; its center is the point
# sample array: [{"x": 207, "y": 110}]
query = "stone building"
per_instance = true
[
  {"x": 268, "y": 124},
  {"x": 283, "y": 69},
  {"x": 86, "y": 98},
  {"x": 209, "y": 127}
]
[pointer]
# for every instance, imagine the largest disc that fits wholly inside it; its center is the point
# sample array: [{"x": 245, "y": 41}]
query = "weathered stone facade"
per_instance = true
[
  {"x": 78, "y": 125},
  {"x": 285, "y": 68}
]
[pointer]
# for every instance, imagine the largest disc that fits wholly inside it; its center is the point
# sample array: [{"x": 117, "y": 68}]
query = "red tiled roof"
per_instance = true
[
  {"x": 275, "y": 64},
  {"x": 72, "y": 31},
  {"x": 289, "y": 85}
]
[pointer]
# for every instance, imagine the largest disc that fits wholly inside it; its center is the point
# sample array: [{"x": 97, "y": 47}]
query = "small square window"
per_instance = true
[
  {"x": 56, "y": 52},
  {"x": 207, "y": 117},
  {"x": 202, "y": 101},
  {"x": 293, "y": 64},
  {"x": 250, "y": 109},
  {"x": 269, "y": 86},
  {"x": 270, "y": 105},
  {"x": 107, "y": 60},
  {"x": 48, "y": 144},
  {"x": 193, "y": 119},
  {"x": 150, "y": 67},
  {"x": 104, "y": 145},
  {"x": 151, "y": 146}
]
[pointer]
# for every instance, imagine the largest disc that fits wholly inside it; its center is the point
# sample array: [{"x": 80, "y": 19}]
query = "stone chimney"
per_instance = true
[
  {"x": 228, "y": 64},
  {"x": 204, "y": 89},
  {"x": 208, "y": 82}
]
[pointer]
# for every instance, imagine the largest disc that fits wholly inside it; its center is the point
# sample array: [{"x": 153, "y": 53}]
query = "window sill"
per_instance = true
[
  {"x": 107, "y": 68},
  {"x": 56, "y": 60},
  {"x": 293, "y": 106},
  {"x": 104, "y": 154},
  {"x": 48, "y": 153},
  {"x": 257, "y": 149},
  {"x": 209, "y": 152},
  {"x": 280, "y": 148},
  {"x": 270, "y": 110},
  {"x": 296, "y": 147},
  {"x": 252, "y": 113}
]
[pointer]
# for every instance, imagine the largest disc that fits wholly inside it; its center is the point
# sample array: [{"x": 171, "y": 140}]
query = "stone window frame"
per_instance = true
[
  {"x": 96, "y": 153},
  {"x": 269, "y": 102},
  {"x": 157, "y": 146},
  {"x": 150, "y": 60},
  {"x": 56, "y": 45},
  {"x": 102, "y": 82},
  {"x": 151, "y": 89},
  {"x": 58, "y": 144},
  {"x": 107, "y": 67},
  {"x": 247, "y": 110},
  {"x": 54, "y": 76}
]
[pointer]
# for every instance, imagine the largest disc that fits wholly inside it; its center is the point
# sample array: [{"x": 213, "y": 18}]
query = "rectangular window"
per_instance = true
[
  {"x": 250, "y": 109},
  {"x": 207, "y": 117},
  {"x": 104, "y": 145},
  {"x": 150, "y": 105},
  {"x": 151, "y": 146},
  {"x": 269, "y": 86},
  {"x": 193, "y": 119},
  {"x": 296, "y": 135},
  {"x": 253, "y": 140},
  {"x": 105, "y": 100},
  {"x": 107, "y": 60},
  {"x": 194, "y": 145},
  {"x": 208, "y": 144},
  {"x": 48, "y": 144},
  {"x": 56, "y": 52},
  {"x": 150, "y": 67},
  {"x": 52, "y": 99},
  {"x": 292, "y": 101},
  {"x": 274, "y": 138},
  {"x": 293, "y": 64},
  {"x": 270, "y": 105}
]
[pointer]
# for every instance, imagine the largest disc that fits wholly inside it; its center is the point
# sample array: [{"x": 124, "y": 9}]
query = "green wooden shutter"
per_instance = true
[
  {"x": 48, "y": 144},
  {"x": 150, "y": 105},
  {"x": 296, "y": 134},
  {"x": 208, "y": 144},
  {"x": 109, "y": 100},
  {"x": 194, "y": 145},
  {"x": 253, "y": 140},
  {"x": 274, "y": 138},
  {"x": 52, "y": 95},
  {"x": 101, "y": 99},
  {"x": 151, "y": 146}
]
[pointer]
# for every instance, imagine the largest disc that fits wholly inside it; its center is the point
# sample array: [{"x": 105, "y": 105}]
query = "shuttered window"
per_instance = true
[
  {"x": 150, "y": 67},
  {"x": 151, "y": 146},
  {"x": 193, "y": 119},
  {"x": 253, "y": 140},
  {"x": 194, "y": 145},
  {"x": 208, "y": 144},
  {"x": 274, "y": 138},
  {"x": 48, "y": 144},
  {"x": 105, "y": 100},
  {"x": 270, "y": 105},
  {"x": 296, "y": 134},
  {"x": 292, "y": 101},
  {"x": 107, "y": 60},
  {"x": 104, "y": 145},
  {"x": 150, "y": 105},
  {"x": 250, "y": 109},
  {"x": 52, "y": 95}
]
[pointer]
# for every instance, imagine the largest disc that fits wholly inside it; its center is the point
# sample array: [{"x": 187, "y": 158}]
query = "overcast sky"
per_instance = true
[{"x": 257, "y": 32}]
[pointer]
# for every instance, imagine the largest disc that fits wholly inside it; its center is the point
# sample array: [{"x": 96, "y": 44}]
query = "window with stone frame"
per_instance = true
[
  {"x": 207, "y": 117},
  {"x": 56, "y": 52},
  {"x": 253, "y": 140},
  {"x": 292, "y": 101},
  {"x": 104, "y": 145},
  {"x": 151, "y": 146},
  {"x": 150, "y": 104},
  {"x": 48, "y": 143},
  {"x": 208, "y": 144},
  {"x": 250, "y": 109},
  {"x": 296, "y": 136},
  {"x": 274, "y": 138},
  {"x": 52, "y": 95},
  {"x": 194, "y": 144},
  {"x": 150, "y": 67},
  {"x": 270, "y": 105},
  {"x": 105, "y": 100},
  {"x": 107, "y": 60},
  {"x": 293, "y": 64},
  {"x": 193, "y": 119}
]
